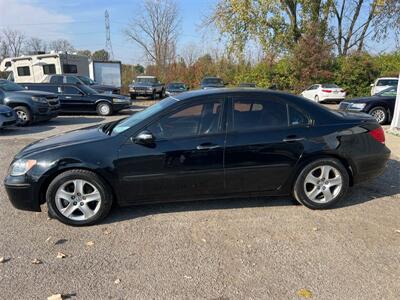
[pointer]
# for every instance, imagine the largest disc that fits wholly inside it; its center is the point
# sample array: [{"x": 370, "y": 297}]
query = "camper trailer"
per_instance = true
[{"x": 33, "y": 68}]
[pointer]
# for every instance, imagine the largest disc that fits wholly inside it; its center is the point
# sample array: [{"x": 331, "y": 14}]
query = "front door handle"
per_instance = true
[
  {"x": 207, "y": 146},
  {"x": 292, "y": 138}
]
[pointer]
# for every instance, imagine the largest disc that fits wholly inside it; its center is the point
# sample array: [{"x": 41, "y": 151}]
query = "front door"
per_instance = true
[
  {"x": 73, "y": 99},
  {"x": 184, "y": 162},
  {"x": 262, "y": 144}
]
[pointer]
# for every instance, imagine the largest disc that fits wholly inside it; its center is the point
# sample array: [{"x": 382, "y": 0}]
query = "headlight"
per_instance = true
[
  {"x": 357, "y": 106},
  {"x": 39, "y": 99},
  {"x": 167, "y": 93},
  {"x": 22, "y": 166}
]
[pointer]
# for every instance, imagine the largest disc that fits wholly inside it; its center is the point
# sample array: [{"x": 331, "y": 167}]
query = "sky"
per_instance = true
[{"x": 82, "y": 23}]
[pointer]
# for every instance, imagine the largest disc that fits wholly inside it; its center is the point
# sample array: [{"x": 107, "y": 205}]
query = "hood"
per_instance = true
[
  {"x": 4, "y": 109},
  {"x": 30, "y": 93},
  {"x": 367, "y": 99},
  {"x": 75, "y": 137}
]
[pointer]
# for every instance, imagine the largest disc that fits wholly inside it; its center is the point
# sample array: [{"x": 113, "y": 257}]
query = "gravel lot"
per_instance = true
[{"x": 227, "y": 249}]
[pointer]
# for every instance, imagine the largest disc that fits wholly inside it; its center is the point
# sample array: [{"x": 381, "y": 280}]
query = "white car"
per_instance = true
[
  {"x": 383, "y": 83},
  {"x": 322, "y": 92}
]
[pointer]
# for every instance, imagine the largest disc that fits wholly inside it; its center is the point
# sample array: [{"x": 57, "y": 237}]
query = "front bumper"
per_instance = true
[
  {"x": 22, "y": 192},
  {"x": 121, "y": 106},
  {"x": 8, "y": 121},
  {"x": 46, "y": 112}
]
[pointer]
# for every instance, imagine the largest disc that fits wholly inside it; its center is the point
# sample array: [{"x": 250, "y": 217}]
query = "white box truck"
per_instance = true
[{"x": 106, "y": 72}]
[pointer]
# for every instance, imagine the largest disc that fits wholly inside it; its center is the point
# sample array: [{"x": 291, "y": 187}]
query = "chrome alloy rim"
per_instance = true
[
  {"x": 323, "y": 184},
  {"x": 104, "y": 109},
  {"x": 78, "y": 200},
  {"x": 379, "y": 115}
]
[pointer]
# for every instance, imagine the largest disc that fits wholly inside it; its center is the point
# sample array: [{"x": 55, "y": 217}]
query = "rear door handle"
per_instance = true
[
  {"x": 292, "y": 139},
  {"x": 207, "y": 146}
]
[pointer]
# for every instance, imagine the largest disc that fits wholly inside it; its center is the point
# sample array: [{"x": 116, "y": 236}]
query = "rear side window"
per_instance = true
[
  {"x": 56, "y": 79},
  {"x": 250, "y": 114},
  {"x": 387, "y": 82},
  {"x": 68, "y": 68},
  {"x": 24, "y": 71},
  {"x": 49, "y": 88},
  {"x": 49, "y": 69}
]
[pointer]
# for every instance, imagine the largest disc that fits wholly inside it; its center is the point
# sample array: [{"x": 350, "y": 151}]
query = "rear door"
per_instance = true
[{"x": 264, "y": 142}]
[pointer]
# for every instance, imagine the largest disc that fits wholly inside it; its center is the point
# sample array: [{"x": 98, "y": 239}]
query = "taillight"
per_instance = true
[
  {"x": 327, "y": 91},
  {"x": 378, "y": 134}
]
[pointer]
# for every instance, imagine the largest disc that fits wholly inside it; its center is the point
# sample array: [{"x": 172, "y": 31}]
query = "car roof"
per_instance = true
[
  {"x": 392, "y": 78},
  {"x": 145, "y": 76}
]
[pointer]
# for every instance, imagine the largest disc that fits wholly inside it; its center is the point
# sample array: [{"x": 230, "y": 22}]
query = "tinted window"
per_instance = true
[
  {"x": 199, "y": 119},
  {"x": 23, "y": 71},
  {"x": 48, "y": 88},
  {"x": 390, "y": 82},
  {"x": 329, "y": 86},
  {"x": 49, "y": 69},
  {"x": 56, "y": 79},
  {"x": 149, "y": 80},
  {"x": 212, "y": 81},
  {"x": 390, "y": 92},
  {"x": 72, "y": 80},
  {"x": 67, "y": 68},
  {"x": 71, "y": 90},
  {"x": 297, "y": 118},
  {"x": 250, "y": 114},
  {"x": 9, "y": 86}
]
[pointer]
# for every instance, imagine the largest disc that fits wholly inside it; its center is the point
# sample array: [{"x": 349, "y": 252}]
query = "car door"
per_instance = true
[
  {"x": 263, "y": 144},
  {"x": 184, "y": 162},
  {"x": 73, "y": 99}
]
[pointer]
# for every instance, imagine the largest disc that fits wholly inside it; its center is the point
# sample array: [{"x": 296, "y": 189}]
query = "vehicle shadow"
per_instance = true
[{"x": 388, "y": 184}]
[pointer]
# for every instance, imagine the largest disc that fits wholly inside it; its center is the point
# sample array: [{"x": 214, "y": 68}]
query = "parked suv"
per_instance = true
[
  {"x": 30, "y": 106},
  {"x": 146, "y": 86},
  {"x": 79, "y": 79},
  {"x": 83, "y": 99},
  {"x": 383, "y": 83}
]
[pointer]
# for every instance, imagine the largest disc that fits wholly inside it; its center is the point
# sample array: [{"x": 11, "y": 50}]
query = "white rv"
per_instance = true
[{"x": 33, "y": 68}]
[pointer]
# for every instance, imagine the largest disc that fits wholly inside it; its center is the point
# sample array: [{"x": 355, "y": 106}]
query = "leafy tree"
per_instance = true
[{"x": 101, "y": 55}]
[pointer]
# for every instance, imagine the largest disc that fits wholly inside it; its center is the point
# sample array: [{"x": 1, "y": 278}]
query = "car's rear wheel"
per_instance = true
[
  {"x": 104, "y": 109},
  {"x": 133, "y": 96},
  {"x": 321, "y": 184},
  {"x": 316, "y": 98},
  {"x": 78, "y": 197},
  {"x": 24, "y": 115},
  {"x": 380, "y": 114},
  {"x": 154, "y": 95}
]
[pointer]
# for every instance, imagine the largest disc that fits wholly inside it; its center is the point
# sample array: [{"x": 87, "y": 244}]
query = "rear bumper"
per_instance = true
[{"x": 22, "y": 194}]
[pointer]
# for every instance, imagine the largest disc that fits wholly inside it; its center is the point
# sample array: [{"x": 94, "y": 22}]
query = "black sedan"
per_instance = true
[
  {"x": 83, "y": 99},
  {"x": 380, "y": 106},
  {"x": 174, "y": 88},
  {"x": 199, "y": 145}
]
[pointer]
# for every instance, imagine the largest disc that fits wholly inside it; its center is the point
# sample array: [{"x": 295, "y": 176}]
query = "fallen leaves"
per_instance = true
[
  {"x": 4, "y": 260},
  {"x": 106, "y": 231},
  {"x": 117, "y": 281},
  {"x": 315, "y": 229},
  {"x": 304, "y": 293},
  {"x": 61, "y": 255},
  {"x": 36, "y": 261},
  {"x": 397, "y": 231},
  {"x": 90, "y": 243},
  {"x": 55, "y": 297}
]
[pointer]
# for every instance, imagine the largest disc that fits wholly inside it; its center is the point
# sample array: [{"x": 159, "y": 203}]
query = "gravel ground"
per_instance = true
[{"x": 227, "y": 249}]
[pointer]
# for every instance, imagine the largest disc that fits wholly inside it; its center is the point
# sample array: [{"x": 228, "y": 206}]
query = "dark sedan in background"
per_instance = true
[
  {"x": 174, "y": 88},
  {"x": 212, "y": 83},
  {"x": 214, "y": 144},
  {"x": 83, "y": 99},
  {"x": 380, "y": 106}
]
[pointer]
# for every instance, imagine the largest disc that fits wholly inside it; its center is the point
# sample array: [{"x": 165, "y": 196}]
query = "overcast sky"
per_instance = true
[{"x": 82, "y": 23}]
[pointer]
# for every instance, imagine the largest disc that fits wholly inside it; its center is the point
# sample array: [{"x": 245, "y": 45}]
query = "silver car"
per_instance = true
[{"x": 7, "y": 116}]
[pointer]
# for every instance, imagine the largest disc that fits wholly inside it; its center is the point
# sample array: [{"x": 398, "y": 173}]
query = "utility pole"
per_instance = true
[
  {"x": 396, "y": 114},
  {"x": 108, "y": 35}
]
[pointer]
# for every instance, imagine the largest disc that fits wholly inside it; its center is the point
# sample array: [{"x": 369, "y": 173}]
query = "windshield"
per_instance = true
[
  {"x": 176, "y": 86},
  {"x": 329, "y": 85},
  {"x": 213, "y": 81},
  {"x": 146, "y": 80},
  {"x": 86, "y": 80},
  {"x": 88, "y": 90},
  {"x": 389, "y": 92},
  {"x": 142, "y": 115},
  {"x": 8, "y": 86}
]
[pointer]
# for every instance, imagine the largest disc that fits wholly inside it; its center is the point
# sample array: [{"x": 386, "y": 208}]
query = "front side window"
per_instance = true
[
  {"x": 70, "y": 90},
  {"x": 24, "y": 71},
  {"x": 194, "y": 120},
  {"x": 72, "y": 80},
  {"x": 56, "y": 79},
  {"x": 387, "y": 82},
  {"x": 253, "y": 114},
  {"x": 49, "y": 69},
  {"x": 68, "y": 68}
]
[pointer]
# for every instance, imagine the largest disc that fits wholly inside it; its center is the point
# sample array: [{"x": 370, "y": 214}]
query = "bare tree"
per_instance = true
[
  {"x": 190, "y": 53},
  {"x": 156, "y": 31},
  {"x": 61, "y": 45},
  {"x": 14, "y": 41},
  {"x": 36, "y": 45}
]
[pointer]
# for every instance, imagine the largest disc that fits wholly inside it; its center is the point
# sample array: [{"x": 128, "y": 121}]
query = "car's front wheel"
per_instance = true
[
  {"x": 316, "y": 98},
  {"x": 104, "y": 109},
  {"x": 24, "y": 115},
  {"x": 321, "y": 183},
  {"x": 78, "y": 197},
  {"x": 380, "y": 114}
]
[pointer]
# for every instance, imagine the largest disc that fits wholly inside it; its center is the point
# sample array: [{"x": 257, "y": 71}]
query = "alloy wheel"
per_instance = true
[
  {"x": 22, "y": 116},
  {"x": 78, "y": 200},
  {"x": 104, "y": 109},
  {"x": 379, "y": 115},
  {"x": 323, "y": 183}
]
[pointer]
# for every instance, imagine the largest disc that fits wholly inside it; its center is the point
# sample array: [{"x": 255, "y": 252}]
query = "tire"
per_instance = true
[
  {"x": 154, "y": 95},
  {"x": 133, "y": 96},
  {"x": 162, "y": 94},
  {"x": 316, "y": 195},
  {"x": 104, "y": 109},
  {"x": 88, "y": 213},
  {"x": 380, "y": 114},
  {"x": 316, "y": 98},
  {"x": 24, "y": 115}
]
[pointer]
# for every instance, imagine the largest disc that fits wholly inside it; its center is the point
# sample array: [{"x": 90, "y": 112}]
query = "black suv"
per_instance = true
[
  {"x": 30, "y": 106},
  {"x": 83, "y": 99}
]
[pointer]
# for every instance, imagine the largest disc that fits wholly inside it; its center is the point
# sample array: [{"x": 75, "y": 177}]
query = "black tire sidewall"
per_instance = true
[
  {"x": 99, "y": 109},
  {"x": 106, "y": 196},
  {"x": 298, "y": 189}
]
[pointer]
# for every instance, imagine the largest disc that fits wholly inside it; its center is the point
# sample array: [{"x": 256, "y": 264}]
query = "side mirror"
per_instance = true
[
  {"x": 144, "y": 138},
  {"x": 371, "y": 85}
]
